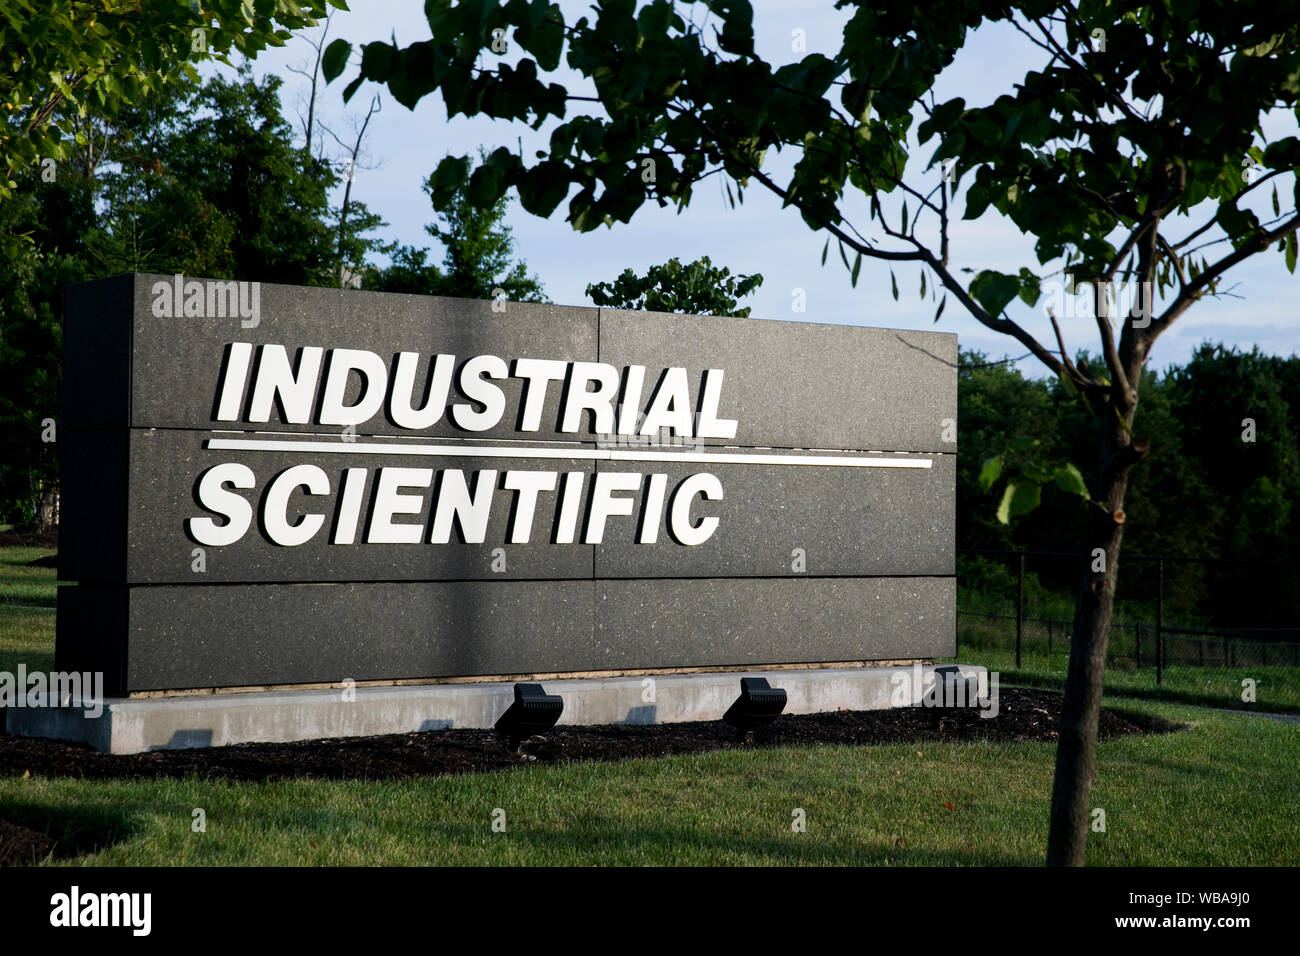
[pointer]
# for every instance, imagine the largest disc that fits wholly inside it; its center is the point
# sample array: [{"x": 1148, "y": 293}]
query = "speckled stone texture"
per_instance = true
[
  {"x": 808, "y": 563},
  {"x": 252, "y": 635},
  {"x": 801, "y": 384}
]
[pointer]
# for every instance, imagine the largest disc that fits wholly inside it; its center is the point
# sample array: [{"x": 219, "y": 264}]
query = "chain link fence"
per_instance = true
[{"x": 1225, "y": 633}]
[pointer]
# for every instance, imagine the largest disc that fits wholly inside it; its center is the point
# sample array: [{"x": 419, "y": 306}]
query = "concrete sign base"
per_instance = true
[{"x": 216, "y": 720}]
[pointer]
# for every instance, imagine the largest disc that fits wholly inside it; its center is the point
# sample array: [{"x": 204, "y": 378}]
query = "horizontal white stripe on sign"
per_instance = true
[{"x": 594, "y": 454}]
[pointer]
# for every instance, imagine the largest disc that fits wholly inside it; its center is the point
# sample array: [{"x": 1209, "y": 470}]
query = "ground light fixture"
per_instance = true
[
  {"x": 533, "y": 712},
  {"x": 758, "y": 703},
  {"x": 947, "y": 693}
]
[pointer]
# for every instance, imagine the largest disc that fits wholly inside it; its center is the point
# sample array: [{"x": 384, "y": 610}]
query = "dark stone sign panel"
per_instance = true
[
  {"x": 816, "y": 386},
  {"x": 885, "y": 520},
  {"x": 836, "y": 520},
  {"x": 163, "y": 379},
  {"x": 787, "y": 620},
  {"x": 264, "y": 634},
  {"x": 165, "y": 464},
  {"x": 278, "y": 485},
  {"x": 199, "y": 636}
]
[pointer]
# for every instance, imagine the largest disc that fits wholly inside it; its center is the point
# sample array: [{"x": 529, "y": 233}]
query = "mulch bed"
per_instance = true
[
  {"x": 28, "y": 538},
  {"x": 19, "y": 845},
  {"x": 1023, "y": 715}
]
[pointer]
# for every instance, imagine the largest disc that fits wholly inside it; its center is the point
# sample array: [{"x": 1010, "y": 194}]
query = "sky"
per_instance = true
[{"x": 403, "y": 146}]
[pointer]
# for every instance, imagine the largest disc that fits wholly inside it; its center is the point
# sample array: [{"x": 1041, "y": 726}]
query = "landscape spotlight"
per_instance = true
[
  {"x": 757, "y": 704},
  {"x": 953, "y": 687},
  {"x": 533, "y": 712}
]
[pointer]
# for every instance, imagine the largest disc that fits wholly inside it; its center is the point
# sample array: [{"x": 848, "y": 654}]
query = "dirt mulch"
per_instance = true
[
  {"x": 28, "y": 538},
  {"x": 19, "y": 845},
  {"x": 1023, "y": 715}
]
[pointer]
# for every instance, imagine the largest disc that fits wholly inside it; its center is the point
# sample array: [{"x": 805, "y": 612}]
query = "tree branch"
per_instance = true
[
  {"x": 1078, "y": 377},
  {"x": 1109, "y": 352},
  {"x": 1193, "y": 289},
  {"x": 920, "y": 253},
  {"x": 1152, "y": 216}
]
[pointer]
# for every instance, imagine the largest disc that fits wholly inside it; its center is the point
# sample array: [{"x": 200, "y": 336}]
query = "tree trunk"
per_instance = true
[
  {"x": 1077, "y": 744},
  {"x": 47, "y": 510}
]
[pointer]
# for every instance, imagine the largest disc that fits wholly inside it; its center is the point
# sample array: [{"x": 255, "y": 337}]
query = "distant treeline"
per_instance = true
[
  {"x": 206, "y": 180},
  {"x": 213, "y": 180},
  {"x": 1221, "y": 481}
]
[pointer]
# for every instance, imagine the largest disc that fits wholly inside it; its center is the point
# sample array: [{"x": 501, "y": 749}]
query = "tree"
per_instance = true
[
  {"x": 104, "y": 56},
  {"x": 698, "y": 289},
  {"x": 202, "y": 180},
  {"x": 996, "y": 405},
  {"x": 43, "y": 227},
  {"x": 1132, "y": 155},
  {"x": 210, "y": 183},
  {"x": 478, "y": 251},
  {"x": 410, "y": 271},
  {"x": 317, "y": 45},
  {"x": 1172, "y": 509},
  {"x": 352, "y": 218},
  {"x": 352, "y": 248}
]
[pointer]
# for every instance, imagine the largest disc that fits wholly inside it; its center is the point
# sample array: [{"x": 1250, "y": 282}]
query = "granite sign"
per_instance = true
[{"x": 279, "y": 485}]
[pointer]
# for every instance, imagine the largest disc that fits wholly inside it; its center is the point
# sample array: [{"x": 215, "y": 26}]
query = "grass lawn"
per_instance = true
[
  {"x": 1277, "y": 688},
  {"x": 26, "y": 610},
  {"x": 1224, "y": 792},
  {"x": 20, "y": 584}
]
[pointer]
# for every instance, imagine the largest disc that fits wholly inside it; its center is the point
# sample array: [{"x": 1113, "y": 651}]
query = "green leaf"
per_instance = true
[
  {"x": 994, "y": 291},
  {"x": 1070, "y": 481},
  {"x": 1029, "y": 288},
  {"x": 941, "y": 119},
  {"x": 1020, "y": 498},
  {"x": 977, "y": 200},
  {"x": 1233, "y": 220},
  {"x": 825, "y": 249},
  {"x": 1290, "y": 253},
  {"x": 1023, "y": 443},
  {"x": 448, "y": 179},
  {"x": 894, "y": 284},
  {"x": 543, "y": 188},
  {"x": 857, "y": 267},
  {"x": 377, "y": 61},
  {"x": 939, "y": 311},
  {"x": 335, "y": 59},
  {"x": 547, "y": 40},
  {"x": 990, "y": 473},
  {"x": 484, "y": 187}
]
